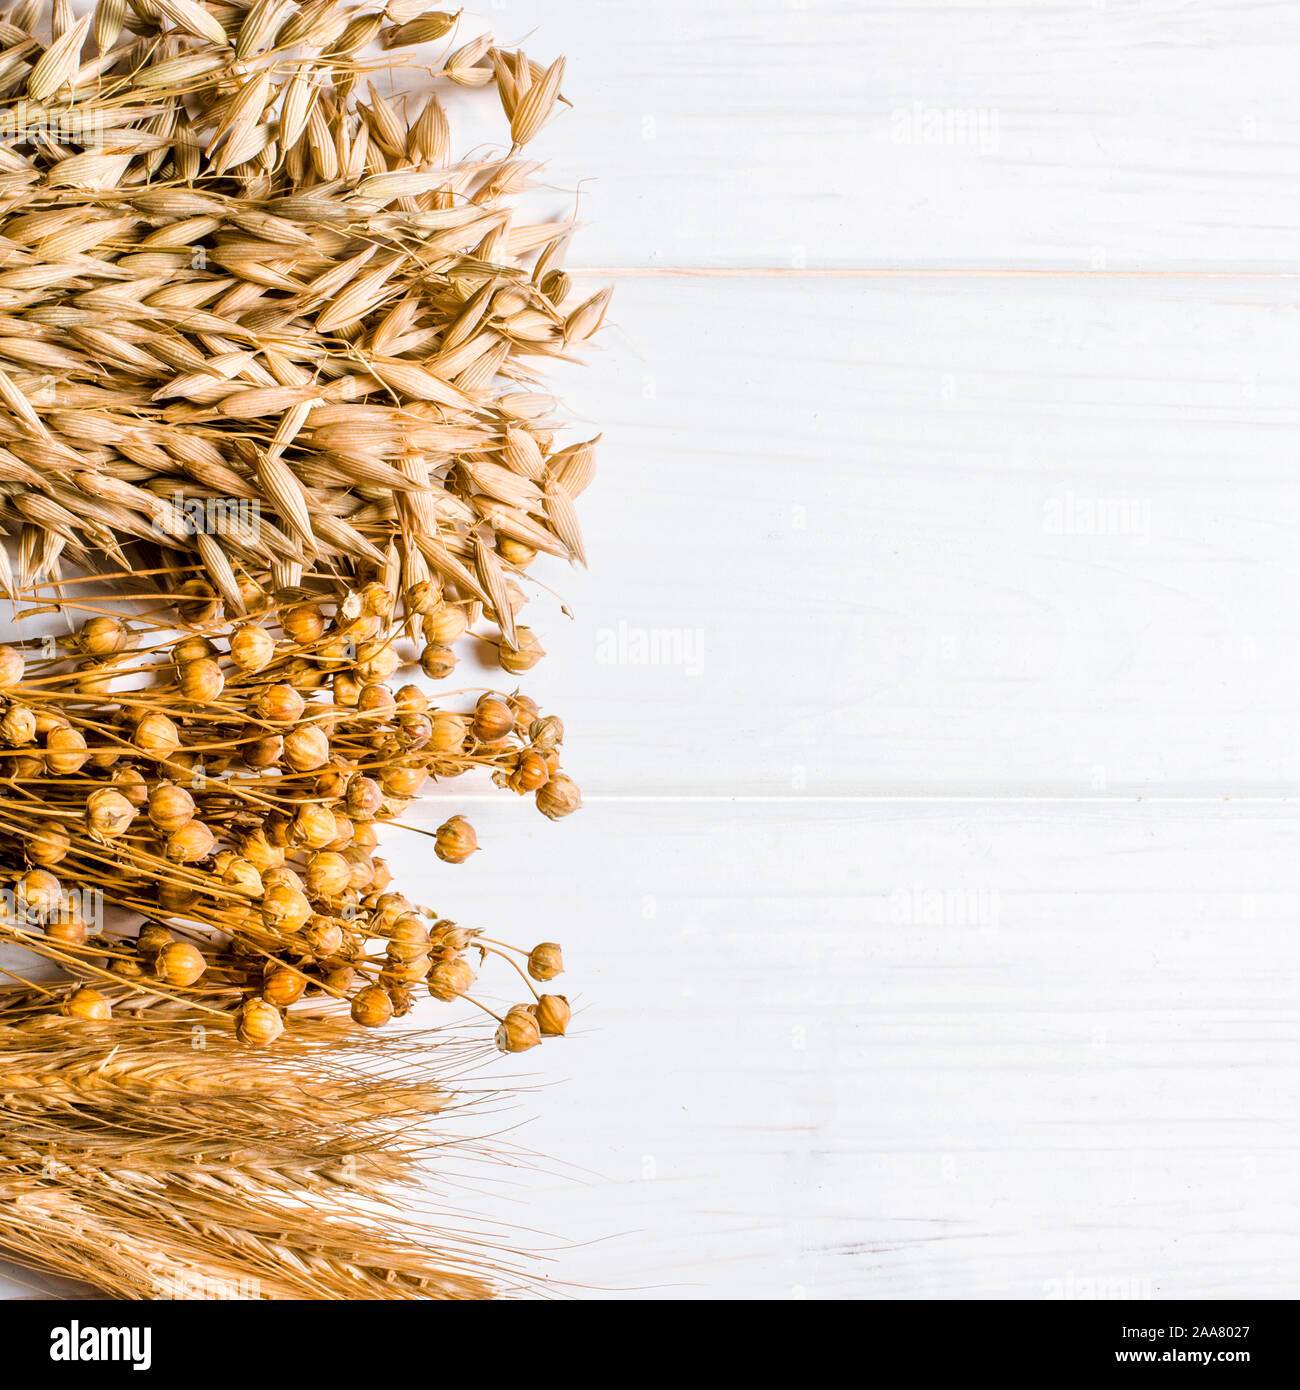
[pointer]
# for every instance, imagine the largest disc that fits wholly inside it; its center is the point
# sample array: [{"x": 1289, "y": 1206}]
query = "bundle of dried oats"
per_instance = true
[{"x": 252, "y": 314}]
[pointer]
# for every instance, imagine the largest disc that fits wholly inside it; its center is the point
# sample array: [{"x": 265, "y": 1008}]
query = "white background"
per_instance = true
[{"x": 933, "y": 928}]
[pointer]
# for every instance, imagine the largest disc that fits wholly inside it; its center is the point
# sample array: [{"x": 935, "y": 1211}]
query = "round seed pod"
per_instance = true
[
  {"x": 404, "y": 781},
  {"x": 25, "y": 767},
  {"x": 365, "y": 836},
  {"x": 192, "y": 842},
  {"x": 449, "y": 979},
  {"x": 388, "y": 907},
  {"x": 524, "y": 655},
  {"x": 530, "y": 773},
  {"x": 103, "y": 636},
  {"x": 341, "y": 979},
  {"x": 382, "y": 877},
  {"x": 328, "y": 874},
  {"x": 65, "y": 752},
  {"x": 304, "y": 623},
  {"x": 260, "y": 852},
  {"x": 68, "y": 928},
  {"x": 180, "y": 964},
  {"x": 346, "y": 688},
  {"x": 283, "y": 986},
  {"x": 305, "y": 675},
  {"x": 131, "y": 783},
  {"x": 12, "y": 666},
  {"x": 263, "y": 752},
  {"x": 553, "y": 1014},
  {"x": 364, "y": 798},
  {"x": 48, "y": 843},
  {"x": 437, "y": 662},
  {"x": 518, "y": 1031},
  {"x": 324, "y": 937},
  {"x": 285, "y": 909},
  {"x": 313, "y": 825},
  {"x": 47, "y": 721},
  {"x": 126, "y": 969},
  {"x": 454, "y": 841},
  {"x": 194, "y": 648},
  {"x": 371, "y": 1007},
  {"x": 108, "y": 813},
  {"x": 283, "y": 877},
  {"x": 152, "y": 939},
  {"x": 201, "y": 682},
  {"x": 409, "y": 930},
  {"x": 180, "y": 767},
  {"x": 449, "y": 732},
  {"x": 176, "y": 897},
  {"x": 251, "y": 647},
  {"x": 258, "y": 1023},
  {"x": 377, "y": 660},
  {"x": 88, "y": 1005},
  {"x": 560, "y": 797},
  {"x": 252, "y": 593},
  {"x": 493, "y": 719},
  {"x": 446, "y": 936},
  {"x": 444, "y": 626},
  {"x": 424, "y": 597},
  {"x": 242, "y": 876},
  {"x": 38, "y": 894},
  {"x": 306, "y": 748},
  {"x": 170, "y": 807},
  {"x": 398, "y": 970},
  {"x": 280, "y": 704},
  {"x": 417, "y": 730},
  {"x": 546, "y": 961},
  {"x": 94, "y": 679},
  {"x": 547, "y": 732},
  {"x": 344, "y": 830},
  {"x": 377, "y": 601},
  {"x": 361, "y": 871},
  {"x": 332, "y": 784},
  {"x": 410, "y": 699},
  {"x": 376, "y": 701},
  {"x": 17, "y": 726},
  {"x": 156, "y": 736},
  {"x": 526, "y": 711}
]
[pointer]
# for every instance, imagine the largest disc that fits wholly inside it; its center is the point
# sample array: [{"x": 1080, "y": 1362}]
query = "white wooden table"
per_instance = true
[{"x": 933, "y": 916}]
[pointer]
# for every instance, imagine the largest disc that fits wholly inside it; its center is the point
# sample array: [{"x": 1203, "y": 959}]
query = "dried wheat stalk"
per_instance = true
[{"x": 165, "y": 1160}]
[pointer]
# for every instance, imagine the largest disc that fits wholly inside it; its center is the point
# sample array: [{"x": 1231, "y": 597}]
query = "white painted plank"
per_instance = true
[
  {"x": 914, "y": 1052},
  {"x": 941, "y": 537},
  {"x": 825, "y": 132}
]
